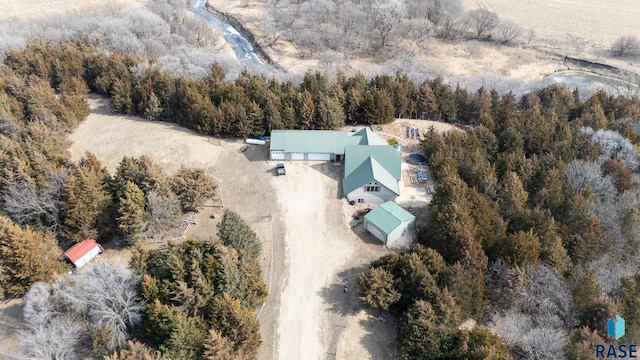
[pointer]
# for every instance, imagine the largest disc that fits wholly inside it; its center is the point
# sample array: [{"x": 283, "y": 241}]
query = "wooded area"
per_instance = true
[
  {"x": 540, "y": 190},
  {"x": 534, "y": 226}
]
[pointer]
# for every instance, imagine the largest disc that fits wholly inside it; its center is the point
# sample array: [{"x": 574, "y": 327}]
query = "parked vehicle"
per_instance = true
[{"x": 280, "y": 169}]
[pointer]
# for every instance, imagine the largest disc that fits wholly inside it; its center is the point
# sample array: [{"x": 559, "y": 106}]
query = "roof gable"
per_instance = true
[
  {"x": 368, "y": 137},
  {"x": 387, "y": 156},
  {"x": 370, "y": 170},
  {"x": 388, "y": 216}
]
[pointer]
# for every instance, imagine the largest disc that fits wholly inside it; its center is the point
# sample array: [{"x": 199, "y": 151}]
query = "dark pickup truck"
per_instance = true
[{"x": 280, "y": 169}]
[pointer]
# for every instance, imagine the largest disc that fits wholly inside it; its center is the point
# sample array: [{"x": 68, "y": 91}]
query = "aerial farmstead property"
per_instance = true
[{"x": 372, "y": 167}]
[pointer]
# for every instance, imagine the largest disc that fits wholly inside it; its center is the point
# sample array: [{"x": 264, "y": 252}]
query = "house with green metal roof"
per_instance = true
[
  {"x": 372, "y": 167},
  {"x": 371, "y": 173},
  {"x": 389, "y": 222}
]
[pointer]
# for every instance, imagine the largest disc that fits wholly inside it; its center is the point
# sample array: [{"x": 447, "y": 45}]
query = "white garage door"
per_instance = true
[
  {"x": 376, "y": 232},
  {"x": 319, "y": 156},
  {"x": 297, "y": 156},
  {"x": 277, "y": 155}
]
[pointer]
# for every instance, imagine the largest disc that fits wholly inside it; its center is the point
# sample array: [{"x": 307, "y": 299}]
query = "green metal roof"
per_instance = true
[
  {"x": 309, "y": 141},
  {"x": 321, "y": 141},
  {"x": 368, "y": 137},
  {"x": 364, "y": 163},
  {"x": 369, "y": 170},
  {"x": 388, "y": 216}
]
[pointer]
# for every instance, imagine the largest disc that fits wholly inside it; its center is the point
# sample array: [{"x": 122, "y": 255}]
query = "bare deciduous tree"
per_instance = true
[
  {"x": 105, "y": 295},
  {"x": 587, "y": 176},
  {"x": 508, "y": 31},
  {"x": 544, "y": 297},
  {"x": 614, "y": 146},
  {"x": 453, "y": 26},
  {"x": 531, "y": 35},
  {"x": 164, "y": 209},
  {"x": 482, "y": 21},
  {"x": 25, "y": 205},
  {"x": 626, "y": 46},
  {"x": 385, "y": 14},
  {"x": 55, "y": 339},
  {"x": 544, "y": 343}
]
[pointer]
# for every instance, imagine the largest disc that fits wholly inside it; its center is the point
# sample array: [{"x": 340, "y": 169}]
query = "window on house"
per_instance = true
[
  {"x": 372, "y": 188},
  {"x": 360, "y": 201}
]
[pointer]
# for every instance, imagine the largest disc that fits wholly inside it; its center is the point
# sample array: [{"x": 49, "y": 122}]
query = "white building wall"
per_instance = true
[
  {"x": 399, "y": 232},
  {"x": 379, "y": 197},
  {"x": 374, "y": 230},
  {"x": 87, "y": 257},
  {"x": 277, "y": 155}
]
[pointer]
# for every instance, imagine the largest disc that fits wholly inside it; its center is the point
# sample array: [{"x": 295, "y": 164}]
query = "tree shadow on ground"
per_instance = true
[
  {"x": 342, "y": 293},
  {"x": 342, "y": 296},
  {"x": 365, "y": 236},
  {"x": 254, "y": 152},
  {"x": 380, "y": 338}
]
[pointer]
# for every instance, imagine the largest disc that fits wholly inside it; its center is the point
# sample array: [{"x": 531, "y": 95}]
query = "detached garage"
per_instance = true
[{"x": 389, "y": 222}]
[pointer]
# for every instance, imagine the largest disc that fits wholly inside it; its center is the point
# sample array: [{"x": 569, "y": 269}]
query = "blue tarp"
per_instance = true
[{"x": 422, "y": 176}]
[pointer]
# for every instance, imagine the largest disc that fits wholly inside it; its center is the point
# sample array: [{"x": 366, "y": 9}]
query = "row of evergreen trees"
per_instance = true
[
  {"x": 533, "y": 206},
  {"x": 251, "y": 104}
]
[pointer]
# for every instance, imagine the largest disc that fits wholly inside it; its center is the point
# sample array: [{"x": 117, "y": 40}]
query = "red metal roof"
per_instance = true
[{"x": 77, "y": 251}]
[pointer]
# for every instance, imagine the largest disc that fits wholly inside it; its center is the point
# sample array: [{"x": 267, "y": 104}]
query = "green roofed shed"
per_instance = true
[{"x": 389, "y": 222}]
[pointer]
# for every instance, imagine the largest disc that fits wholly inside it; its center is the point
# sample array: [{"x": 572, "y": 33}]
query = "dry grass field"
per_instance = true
[{"x": 593, "y": 24}]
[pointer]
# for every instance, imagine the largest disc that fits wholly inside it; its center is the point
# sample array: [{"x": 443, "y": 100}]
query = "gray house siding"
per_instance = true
[{"x": 367, "y": 197}]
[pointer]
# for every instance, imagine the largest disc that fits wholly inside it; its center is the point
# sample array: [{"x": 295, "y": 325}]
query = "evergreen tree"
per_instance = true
[
  {"x": 235, "y": 323},
  {"x": 87, "y": 201},
  {"x": 193, "y": 187},
  {"x": 133, "y": 220},
  {"x": 236, "y": 233},
  {"x": 217, "y": 347},
  {"x": 377, "y": 288},
  {"x": 28, "y": 256}
]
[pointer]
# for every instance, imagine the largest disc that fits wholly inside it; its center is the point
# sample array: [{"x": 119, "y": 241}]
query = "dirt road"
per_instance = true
[
  {"x": 315, "y": 246},
  {"x": 322, "y": 257}
]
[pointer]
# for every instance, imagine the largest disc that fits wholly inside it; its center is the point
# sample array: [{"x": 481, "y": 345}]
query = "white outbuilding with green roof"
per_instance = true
[{"x": 389, "y": 222}]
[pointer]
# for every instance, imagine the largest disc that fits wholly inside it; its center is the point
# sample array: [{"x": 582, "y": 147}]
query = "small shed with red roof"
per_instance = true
[{"x": 82, "y": 252}]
